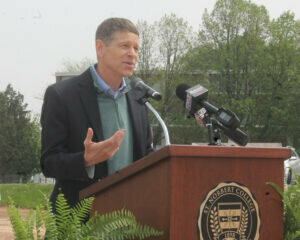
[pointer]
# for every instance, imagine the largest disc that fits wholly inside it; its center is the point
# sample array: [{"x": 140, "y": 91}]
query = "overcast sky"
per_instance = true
[{"x": 37, "y": 36}]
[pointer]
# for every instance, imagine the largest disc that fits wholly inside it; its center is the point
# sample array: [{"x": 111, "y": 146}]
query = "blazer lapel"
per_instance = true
[
  {"x": 134, "y": 99},
  {"x": 134, "y": 103},
  {"x": 89, "y": 100}
]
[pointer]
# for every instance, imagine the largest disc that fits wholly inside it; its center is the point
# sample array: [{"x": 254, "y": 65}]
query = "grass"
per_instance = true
[{"x": 28, "y": 195}]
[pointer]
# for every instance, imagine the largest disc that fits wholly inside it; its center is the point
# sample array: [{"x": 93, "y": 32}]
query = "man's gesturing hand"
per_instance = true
[{"x": 96, "y": 152}]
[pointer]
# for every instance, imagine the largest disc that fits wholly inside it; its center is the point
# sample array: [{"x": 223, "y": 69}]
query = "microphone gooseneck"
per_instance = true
[{"x": 138, "y": 83}]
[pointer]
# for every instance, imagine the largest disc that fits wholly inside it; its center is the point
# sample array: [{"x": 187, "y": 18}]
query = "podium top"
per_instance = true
[
  {"x": 233, "y": 144},
  {"x": 189, "y": 151},
  {"x": 253, "y": 150}
]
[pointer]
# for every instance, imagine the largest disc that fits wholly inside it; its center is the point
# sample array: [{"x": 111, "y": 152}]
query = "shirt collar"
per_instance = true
[{"x": 105, "y": 88}]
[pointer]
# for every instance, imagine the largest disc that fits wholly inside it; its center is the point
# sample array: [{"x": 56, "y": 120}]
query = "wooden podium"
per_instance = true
[{"x": 167, "y": 189}]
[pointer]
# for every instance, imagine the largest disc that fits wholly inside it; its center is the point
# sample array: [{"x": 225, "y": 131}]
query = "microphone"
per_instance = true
[
  {"x": 197, "y": 95},
  {"x": 201, "y": 116},
  {"x": 150, "y": 92},
  {"x": 237, "y": 135},
  {"x": 227, "y": 121},
  {"x": 186, "y": 94}
]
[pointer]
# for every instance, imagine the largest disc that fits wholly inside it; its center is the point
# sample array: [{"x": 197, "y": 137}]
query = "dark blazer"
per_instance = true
[{"x": 70, "y": 107}]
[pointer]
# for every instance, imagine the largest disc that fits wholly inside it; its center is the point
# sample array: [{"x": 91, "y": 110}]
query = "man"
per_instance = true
[{"x": 93, "y": 124}]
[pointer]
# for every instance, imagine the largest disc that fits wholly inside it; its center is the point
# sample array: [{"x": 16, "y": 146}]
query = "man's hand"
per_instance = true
[{"x": 96, "y": 152}]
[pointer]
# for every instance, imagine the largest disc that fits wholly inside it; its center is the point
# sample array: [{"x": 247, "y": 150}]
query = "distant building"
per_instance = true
[
  {"x": 65, "y": 75},
  {"x": 40, "y": 178}
]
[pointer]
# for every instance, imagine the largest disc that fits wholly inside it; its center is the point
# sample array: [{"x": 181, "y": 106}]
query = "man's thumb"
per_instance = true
[{"x": 89, "y": 136}]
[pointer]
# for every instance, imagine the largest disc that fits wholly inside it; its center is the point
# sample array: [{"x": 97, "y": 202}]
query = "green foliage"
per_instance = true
[
  {"x": 24, "y": 229},
  {"x": 250, "y": 66},
  {"x": 248, "y": 62},
  {"x": 24, "y": 195},
  {"x": 19, "y": 136},
  {"x": 146, "y": 61},
  {"x": 291, "y": 200},
  {"x": 67, "y": 223},
  {"x": 162, "y": 46}
]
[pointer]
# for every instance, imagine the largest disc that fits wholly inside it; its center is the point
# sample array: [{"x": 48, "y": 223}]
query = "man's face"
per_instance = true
[{"x": 118, "y": 58}]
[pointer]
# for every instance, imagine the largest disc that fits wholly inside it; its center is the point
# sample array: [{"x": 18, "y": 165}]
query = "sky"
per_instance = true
[{"x": 38, "y": 36}]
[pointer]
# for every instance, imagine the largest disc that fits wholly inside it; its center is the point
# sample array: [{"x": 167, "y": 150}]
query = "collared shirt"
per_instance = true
[{"x": 104, "y": 87}]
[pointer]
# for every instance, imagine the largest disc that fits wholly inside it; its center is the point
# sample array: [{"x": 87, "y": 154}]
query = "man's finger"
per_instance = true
[{"x": 118, "y": 137}]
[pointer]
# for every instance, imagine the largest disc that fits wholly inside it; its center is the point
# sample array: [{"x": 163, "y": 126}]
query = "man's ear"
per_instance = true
[{"x": 99, "y": 47}]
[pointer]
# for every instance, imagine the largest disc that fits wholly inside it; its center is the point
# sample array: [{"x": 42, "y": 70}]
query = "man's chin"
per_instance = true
[{"x": 128, "y": 74}]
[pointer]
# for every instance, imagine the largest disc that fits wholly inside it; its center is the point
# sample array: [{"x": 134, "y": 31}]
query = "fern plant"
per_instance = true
[
  {"x": 25, "y": 229},
  {"x": 68, "y": 224},
  {"x": 291, "y": 202}
]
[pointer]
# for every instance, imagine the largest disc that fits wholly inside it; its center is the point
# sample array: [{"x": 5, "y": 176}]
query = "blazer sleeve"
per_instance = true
[{"x": 57, "y": 161}]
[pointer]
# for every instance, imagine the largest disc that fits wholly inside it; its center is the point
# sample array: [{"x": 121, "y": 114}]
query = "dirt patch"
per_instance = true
[{"x": 6, "y": 232}]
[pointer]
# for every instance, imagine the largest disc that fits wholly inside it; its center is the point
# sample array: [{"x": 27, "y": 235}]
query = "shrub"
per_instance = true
[
  {"x": 291, "y": 202},
  {"x": 68, "y": 224}
]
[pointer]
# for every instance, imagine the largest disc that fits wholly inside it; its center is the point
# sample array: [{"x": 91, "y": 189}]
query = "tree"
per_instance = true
[
  {"x": 160, "y": 60},
  {"x": 250, "y": 65},
  {"x": 146, "y": 62},
  {"x": 19, "y": 136},
  {"x": 234, "y": 36},
  {"x": 282, "y": 81},
  {"x": 77, "y": 67}
]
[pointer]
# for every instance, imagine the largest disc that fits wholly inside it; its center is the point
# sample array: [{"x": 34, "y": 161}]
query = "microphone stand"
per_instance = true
[
  {"x": 210, "y": 131},
  {"x": 213, "y": 132},
  {"x": 162, "y": 123},
  {"x": 215, "y": 128}
]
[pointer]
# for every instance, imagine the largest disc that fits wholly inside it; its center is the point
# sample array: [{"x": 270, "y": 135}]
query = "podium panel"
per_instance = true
[{"x": 200, "y": 192}]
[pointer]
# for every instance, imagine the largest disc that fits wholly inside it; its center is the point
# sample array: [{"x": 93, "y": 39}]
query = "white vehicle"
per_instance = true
[{"x": 291, "y": 163}]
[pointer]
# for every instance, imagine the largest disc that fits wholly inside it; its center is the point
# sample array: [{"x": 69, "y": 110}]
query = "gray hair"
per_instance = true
[{"x": 108, "y": 27}]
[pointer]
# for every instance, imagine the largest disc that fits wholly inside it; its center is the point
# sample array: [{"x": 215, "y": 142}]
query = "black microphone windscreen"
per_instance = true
[
  {"x": 134, "y": 82},
  {"x": 180, "y": 91}
]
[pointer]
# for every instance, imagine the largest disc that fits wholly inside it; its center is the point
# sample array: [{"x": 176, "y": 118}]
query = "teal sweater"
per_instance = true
[{"x": 114, "y": 114}]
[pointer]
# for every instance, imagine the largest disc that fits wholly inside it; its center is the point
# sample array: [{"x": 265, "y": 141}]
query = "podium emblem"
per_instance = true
[{"x": 229, "y": 211}]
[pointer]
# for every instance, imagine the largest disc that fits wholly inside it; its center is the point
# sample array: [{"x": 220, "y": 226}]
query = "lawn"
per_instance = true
[{"x": 27, "y": 195}]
